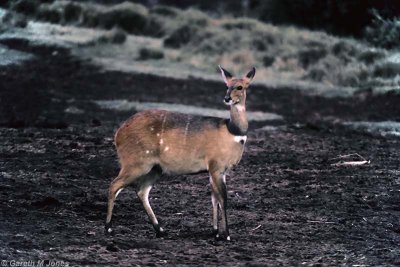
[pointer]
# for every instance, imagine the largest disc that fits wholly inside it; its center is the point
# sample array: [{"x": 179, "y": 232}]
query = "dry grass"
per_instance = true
[{"x": 190, "y": 39}]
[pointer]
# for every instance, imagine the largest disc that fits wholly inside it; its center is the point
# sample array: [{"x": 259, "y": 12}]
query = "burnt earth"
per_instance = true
[{"x": 287, "y": 204}]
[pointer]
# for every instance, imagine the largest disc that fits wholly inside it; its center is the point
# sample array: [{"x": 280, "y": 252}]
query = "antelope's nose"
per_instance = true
[{"x": 227, "y": 99}]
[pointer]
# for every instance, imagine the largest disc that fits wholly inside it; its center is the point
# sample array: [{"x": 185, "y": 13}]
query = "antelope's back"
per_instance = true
[{"x": 159, "y": 133}]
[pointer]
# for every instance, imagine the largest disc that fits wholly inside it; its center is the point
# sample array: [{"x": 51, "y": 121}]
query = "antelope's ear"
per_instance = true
[
  {"x": 225, "y": 74},
  {"x": 249, "y": 76}
]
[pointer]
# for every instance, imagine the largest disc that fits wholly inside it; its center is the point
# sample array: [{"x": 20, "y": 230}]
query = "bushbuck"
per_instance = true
[{"x": 156, "y": 142}]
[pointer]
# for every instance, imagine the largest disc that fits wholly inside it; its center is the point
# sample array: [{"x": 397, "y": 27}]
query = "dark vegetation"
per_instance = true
[
  {"x": 315, "y": 57},
  {"x": 373, "y": 20}
]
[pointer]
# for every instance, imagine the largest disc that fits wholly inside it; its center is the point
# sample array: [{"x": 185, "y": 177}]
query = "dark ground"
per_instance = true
[{"x": 288, "y": 205}]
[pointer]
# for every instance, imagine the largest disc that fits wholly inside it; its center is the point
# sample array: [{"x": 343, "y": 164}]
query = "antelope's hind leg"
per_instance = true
[
  {"x": 143, "y": 189},
  {"x": 124, "y": 179}
]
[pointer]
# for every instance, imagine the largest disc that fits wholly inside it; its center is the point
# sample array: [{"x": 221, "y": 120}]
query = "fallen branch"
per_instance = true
[
  {"x": 256, "y": 228},
  {"x": 363, "y": 161},
  {"x": 351, "y": 163},
  {"x": 326, "y": 222}
]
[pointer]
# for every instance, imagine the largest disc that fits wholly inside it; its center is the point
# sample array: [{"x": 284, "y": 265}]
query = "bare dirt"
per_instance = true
[{"x": 287, "y": 204}]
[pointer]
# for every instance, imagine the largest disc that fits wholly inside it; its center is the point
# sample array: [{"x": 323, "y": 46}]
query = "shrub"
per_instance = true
[
  {"x": 13, "y": 19},
  {"x": 387, "y": 70},
  {"x": 268, "y": 61},
  {"x": 311, "y": 56},
  {"x": 49, "y": 14},
  {"x": 242, "y": 24},
  {"x": 72, "y": 12},
  {"x": 155, "y": 26},
  {"x": 371, "y": 55},
  {"x": 194, "y": 17},
  {"x": 383, "y": 32},
  {"x": 27, "y": 7},
  {"x": 166, "y": 11},
  {"x": 182, "y": 36},
  {"x": 116, "y": 37},
  {"x": 316, "y": 74},
  {"x": 150, "y": 53},
  {"x": 90, "y": 18},
  {"x": 344, "y": 50},
  {"x": 128, "y": 16}
]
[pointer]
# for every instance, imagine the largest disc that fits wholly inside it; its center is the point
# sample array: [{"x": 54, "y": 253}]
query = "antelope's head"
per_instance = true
[{"x": 236, "y": 93}]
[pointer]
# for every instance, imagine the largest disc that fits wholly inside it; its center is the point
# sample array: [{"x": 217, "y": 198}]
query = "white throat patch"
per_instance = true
[
  {"x": 240, "y": 108},
  {"x": 240, "y": 138}
]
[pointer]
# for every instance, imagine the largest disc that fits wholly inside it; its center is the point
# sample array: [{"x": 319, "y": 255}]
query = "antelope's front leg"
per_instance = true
[
  {"x": 219, "y": 197},
  {"x": 214, "y": 202}
]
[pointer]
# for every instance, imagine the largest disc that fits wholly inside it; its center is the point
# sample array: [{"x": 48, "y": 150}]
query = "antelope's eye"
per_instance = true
[{"x": 239, "y": 87}]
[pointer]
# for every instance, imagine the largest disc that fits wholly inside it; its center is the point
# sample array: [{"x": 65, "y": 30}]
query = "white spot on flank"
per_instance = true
[
  {"x": 109, "y": 230},
  {"x": 166, "y": 149},
  {"x": 240, "y": 138},
  {"x": 119, "y": 191},
  {"x": 161, "y": 229},
  {"x": 147, "y": 152},
  {"x": 228, "y": 238},
  {"x": 187, "y": 128},
  {"x": 161, "y": 141},
  {"x": 158, "y": 134},
  {"x": 151, "y": 128}
]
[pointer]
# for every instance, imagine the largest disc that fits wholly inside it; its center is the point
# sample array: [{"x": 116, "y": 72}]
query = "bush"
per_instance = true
[
  {"x": 90, "y": 18},
  {"x": 27, "y": 7},
  {"x": 316, "y": 74},
  {"x": 155, "y": 26},
  {"x": 242, "y": 24},
  {"x": 383, "y": 32},
  {"x": 166, "y": 11},
  {"x": 149, "y": 53},
  {"x": 387, "y": 70},
  {"x": 310, "y": 56},
  {"x": 49, "y": 14},
  {"x": 72, "y": 12},
  {"x": 182, "y": 36},
  {"x": 344, "y": 51},
  {"x": 116, "y": 37},
  {"x": 128, "y": 16},
  {"x": 370, "y": 56},
  {"x": 13, "y": 19},
  {"x": 268, "y": 61}
]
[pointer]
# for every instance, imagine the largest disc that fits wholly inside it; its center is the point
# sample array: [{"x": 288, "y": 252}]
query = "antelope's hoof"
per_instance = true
[
  {"x": 222, "y": 237},
  {"x": 160, "y": 232},
  {"x": 108, "y": 230},
  {"x": 215, "y": 232}
]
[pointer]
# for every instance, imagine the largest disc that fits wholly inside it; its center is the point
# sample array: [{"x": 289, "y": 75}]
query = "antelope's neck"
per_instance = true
[{"x": 238, "y": 124}]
